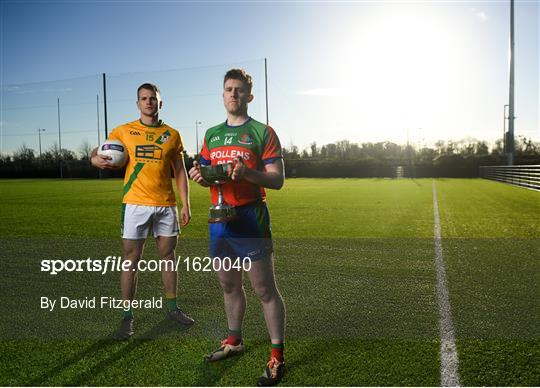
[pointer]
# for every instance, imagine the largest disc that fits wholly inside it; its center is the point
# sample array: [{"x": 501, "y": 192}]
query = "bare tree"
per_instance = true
[
  {"x": 314, "y": 151},
  {"x": 24, "y": 155},
  {"x": 85, "y": 149}
]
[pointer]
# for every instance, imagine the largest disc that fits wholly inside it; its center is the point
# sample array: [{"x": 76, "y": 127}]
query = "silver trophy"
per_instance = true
[{"x": 217, "y": 175}]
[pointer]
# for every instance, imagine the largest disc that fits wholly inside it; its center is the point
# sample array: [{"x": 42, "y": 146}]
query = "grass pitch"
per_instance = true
[{"x": 354, "y": 262}]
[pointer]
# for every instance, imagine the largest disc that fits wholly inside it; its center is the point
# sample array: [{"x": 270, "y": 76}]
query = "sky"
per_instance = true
[{"x": 363, "y": 71}]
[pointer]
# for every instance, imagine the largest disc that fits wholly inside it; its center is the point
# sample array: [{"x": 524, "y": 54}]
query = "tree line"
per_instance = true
[
  {"x": 340, "y": 159},
  {"x": 386, "y": 159}
]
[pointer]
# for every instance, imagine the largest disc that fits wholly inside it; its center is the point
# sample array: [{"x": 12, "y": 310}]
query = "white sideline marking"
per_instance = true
[{"x": 449, "y": 355}]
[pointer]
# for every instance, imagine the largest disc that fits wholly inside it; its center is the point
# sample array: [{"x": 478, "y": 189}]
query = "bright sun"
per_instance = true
[{"x": 403, "y": 70}]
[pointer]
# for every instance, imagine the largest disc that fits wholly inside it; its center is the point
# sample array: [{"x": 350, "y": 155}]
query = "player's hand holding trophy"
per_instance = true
[{"x": 216, "y": 176}]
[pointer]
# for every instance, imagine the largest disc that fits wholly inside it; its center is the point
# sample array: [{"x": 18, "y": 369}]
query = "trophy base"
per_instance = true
[
  {"x": 222, "y": 213},
  {"x": 222, "y": 219}
]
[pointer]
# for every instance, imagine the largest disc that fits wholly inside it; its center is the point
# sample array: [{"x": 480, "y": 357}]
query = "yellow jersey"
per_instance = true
[{"x": 151, "y": 150}]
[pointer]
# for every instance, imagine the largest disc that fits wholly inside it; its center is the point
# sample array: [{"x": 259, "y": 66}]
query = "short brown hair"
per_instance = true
[
  {"x": 241, "y": 75},
  {"x": 148, "y": 86}
]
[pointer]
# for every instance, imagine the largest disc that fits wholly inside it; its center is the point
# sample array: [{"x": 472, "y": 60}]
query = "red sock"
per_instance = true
[
  {"x": 233, "y": 340},
  {"x": 277, "y": 353}
]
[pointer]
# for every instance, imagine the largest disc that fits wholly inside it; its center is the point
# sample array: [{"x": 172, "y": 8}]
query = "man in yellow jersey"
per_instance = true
[{"x": 149, "y": 203}]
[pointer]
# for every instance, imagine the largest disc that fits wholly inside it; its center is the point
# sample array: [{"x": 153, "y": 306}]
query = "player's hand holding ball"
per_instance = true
[{"x": 111, "y": 155}]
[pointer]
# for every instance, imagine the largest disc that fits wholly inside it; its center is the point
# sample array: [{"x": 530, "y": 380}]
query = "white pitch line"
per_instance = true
[{"x": 449, "y": 355}]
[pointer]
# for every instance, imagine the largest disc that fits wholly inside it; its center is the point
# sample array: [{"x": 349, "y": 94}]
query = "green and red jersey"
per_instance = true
[{"x": 256, "y": 143}]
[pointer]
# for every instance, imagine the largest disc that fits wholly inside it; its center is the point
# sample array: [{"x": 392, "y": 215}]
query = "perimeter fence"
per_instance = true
[
  {"x": 524, "y": 176},
  {"x": 61, "y": 121}
]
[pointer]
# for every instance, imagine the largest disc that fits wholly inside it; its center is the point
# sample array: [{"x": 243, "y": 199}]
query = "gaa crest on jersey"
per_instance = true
[
  {"x": 245, "y": 138},
  {"x": 164, "y": 138}
]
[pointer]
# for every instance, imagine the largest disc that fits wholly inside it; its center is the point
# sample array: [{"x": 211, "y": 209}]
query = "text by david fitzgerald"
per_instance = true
[{"x": 103, "y": 302}]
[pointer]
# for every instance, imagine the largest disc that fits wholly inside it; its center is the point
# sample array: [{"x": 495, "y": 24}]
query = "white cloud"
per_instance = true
[
  {"x": 10, "y": 88},
  {"x": 481, "y": 15}
]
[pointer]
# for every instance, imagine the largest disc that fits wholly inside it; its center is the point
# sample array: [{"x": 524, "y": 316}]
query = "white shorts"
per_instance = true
[{"x": 139, "y": 220}]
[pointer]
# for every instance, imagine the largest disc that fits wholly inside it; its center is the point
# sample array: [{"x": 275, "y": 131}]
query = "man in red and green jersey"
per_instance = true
[
  {"x": 255, "y": 151},
  {"x": 149, "y": 202},
  {"x": 252, "y": 142}
]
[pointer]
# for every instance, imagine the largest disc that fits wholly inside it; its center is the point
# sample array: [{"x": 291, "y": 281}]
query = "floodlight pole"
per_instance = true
[
  {"x": 510, "y": 139},
  {"x": 97, "y": 119},
  {"x": 59, "y": 139},
  {"x": 197, "y": 123},
  {"x": 98, "y": 135},
  {"x": 105, "y": 106},
  {"x": 266, "y": 87},
  {"x": 39, "y": 135},
  {"x": 505, "y": 117}
]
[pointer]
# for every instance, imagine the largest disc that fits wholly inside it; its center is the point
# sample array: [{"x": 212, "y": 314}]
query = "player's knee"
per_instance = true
[
  {"x": 166, "y": 246},
  {"x": 133, "y": 254},
  {"x": 130, "y": 264},
  {"x": 231, "y": 287},
  {"x": 264, "y": 292},
  {"x": 167, "y": 254},
  {"x": 168, "y": 264}
]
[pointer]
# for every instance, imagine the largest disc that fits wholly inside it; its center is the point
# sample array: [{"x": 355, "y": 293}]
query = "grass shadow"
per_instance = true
[
  {"x": 209, "y": 373},
  {"x": 98, "y": 345},
  {"x": 156, "y": 331}
]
